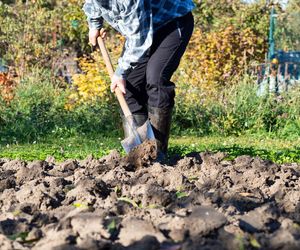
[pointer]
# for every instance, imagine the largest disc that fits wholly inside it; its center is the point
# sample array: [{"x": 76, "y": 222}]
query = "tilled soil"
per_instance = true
[{"x": 202, "y": 201}]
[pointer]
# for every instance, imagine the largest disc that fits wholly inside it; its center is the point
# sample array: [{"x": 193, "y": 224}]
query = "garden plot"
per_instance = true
[{"x": 202, "y": 201}]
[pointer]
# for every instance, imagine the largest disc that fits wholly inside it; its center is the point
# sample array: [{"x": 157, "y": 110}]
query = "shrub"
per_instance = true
[
  {"x": 93, "y": 81},
  {"x": 39, "y": 110},
  {"x": 237, "y": 110},
  {"x": 36, "y": 32},
  {"x": 35, "y": 108},
  {"x": 216, "y": 59}
]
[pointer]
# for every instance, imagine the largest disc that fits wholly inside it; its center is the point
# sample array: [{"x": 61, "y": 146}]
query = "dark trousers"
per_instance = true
[{"x": 149, "y": 82}]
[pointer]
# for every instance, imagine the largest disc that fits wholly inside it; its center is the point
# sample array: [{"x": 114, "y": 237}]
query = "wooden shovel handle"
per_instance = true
[{"x": 110, "y": 68}]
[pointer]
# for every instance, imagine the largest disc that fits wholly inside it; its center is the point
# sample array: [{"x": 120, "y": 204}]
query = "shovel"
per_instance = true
[{"x": 137, "y": 135}]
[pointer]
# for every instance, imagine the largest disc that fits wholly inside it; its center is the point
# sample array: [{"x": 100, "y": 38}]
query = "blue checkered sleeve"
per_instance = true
[
  {"x": 138, "y": 29},
  {"x": 93, "y": 13}
]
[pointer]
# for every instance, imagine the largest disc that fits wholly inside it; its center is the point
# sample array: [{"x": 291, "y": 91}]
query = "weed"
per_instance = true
[
  {"x": 241, "y": 240},
  {"x": 118, "y": 191},
  {"x": 22, "y": 236},
  {"x": 296, "y": 226},
  {"x": 80, "y": 205},
  {"x": 130, "y": 201},
  {"x": 112, "y": 226},
  {"x": 193, "y": 178},
  {"x": 254, "y": 243},
  {"x": 17, "y": 213},
  {"x": 180, "y": 195},
  {"x": 153, "y": 206}
]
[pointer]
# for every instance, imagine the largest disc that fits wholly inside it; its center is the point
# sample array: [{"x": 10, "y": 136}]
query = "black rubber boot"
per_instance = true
[
  {"x": 139, "y": 120},
  {"x": 160, "y": 119}
]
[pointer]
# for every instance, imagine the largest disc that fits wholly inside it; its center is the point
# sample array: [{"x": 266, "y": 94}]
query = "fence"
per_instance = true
[
  {"x": 277, "y": 78},
  {"x": 282, "y": 74}
]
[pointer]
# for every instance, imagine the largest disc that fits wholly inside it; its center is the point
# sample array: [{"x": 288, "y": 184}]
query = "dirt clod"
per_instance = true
[
  {"x": 141, "y": 156},
  {"x": 129, "y": 233}
]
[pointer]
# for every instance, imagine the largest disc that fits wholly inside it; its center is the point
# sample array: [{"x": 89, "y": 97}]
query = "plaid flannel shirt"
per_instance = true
[{"x": 137, "y": 20}]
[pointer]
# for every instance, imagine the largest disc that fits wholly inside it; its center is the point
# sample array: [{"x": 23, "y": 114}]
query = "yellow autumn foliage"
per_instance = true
[
  {"x": 7, "y": 87},
  {"x": 93, "y": 83},
  {"x": 215, "y": 60}
]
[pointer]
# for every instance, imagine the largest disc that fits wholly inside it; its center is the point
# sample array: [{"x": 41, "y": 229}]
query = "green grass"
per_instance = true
[
  {"x": 277, "y": 150},
  {"x": 268, "y": 148},
  {"x": 60, "y": 148}
]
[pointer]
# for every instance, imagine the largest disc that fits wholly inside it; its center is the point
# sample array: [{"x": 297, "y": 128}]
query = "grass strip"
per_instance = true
[{"x": 277, "y": 150}]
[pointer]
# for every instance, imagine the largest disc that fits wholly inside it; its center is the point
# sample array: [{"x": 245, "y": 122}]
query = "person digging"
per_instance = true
[{"x": 157, "y": 33}]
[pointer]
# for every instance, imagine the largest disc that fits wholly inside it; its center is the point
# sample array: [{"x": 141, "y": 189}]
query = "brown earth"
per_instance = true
[{"x": 198, "y": 202}]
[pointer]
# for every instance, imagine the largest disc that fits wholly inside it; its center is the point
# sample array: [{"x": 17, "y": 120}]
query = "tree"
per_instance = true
[{"x": 288, "y": 27}]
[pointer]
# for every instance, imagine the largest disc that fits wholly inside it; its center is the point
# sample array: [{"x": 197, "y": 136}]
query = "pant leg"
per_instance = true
[
  {"x": 169, "y": 45},
  {"x": 136, "y": 95}
]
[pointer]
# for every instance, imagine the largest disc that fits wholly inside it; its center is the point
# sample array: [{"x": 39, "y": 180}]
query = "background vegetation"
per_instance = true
[
  {"x": 216, "y": 93},
  {"x": 288, "y": 29}
]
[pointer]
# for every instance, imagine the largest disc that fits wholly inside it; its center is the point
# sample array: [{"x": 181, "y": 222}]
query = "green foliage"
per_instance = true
[
  {"x": 213, "y": 15},
  {"x": 254, "y": 243},
  {"x": 214, "y": 59},
  {"x": 39, "y": 109},
  {"x": 229, "y": 36},
  {"x": 288, "y": 27},
  {"x": 80, "y": 205},
  {"x": 236, "y": 110},
  {"x": 241, "y": 241},
  {"x": 19, "y": 236},
  {"x": 128, "y": 200},
  {"x": 33, "y": 33},
  {"x": 35, "y": 107},
  {"x": 112, "y": 226},
  {"x": 180, "y": 194}
]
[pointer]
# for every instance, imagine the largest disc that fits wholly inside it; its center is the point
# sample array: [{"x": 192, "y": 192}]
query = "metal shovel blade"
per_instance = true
[
  {"x": 137, "y": 135},
  {"x": 145, "y": 131}
]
